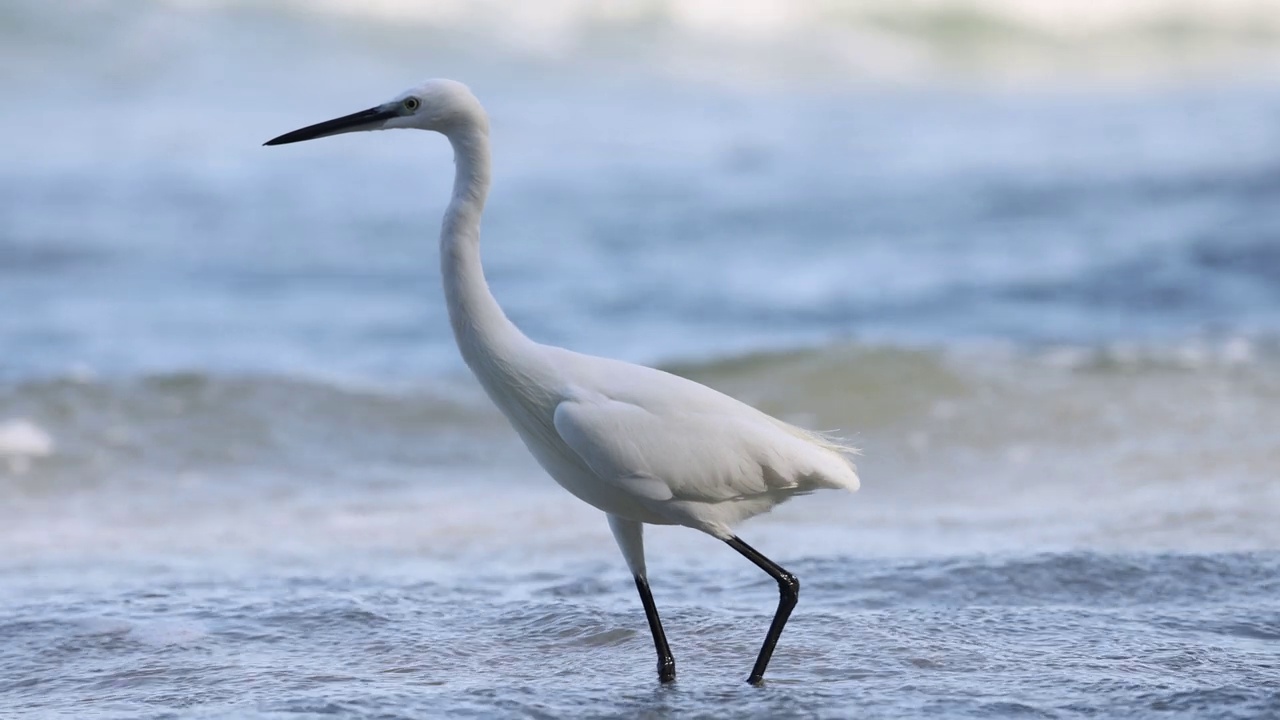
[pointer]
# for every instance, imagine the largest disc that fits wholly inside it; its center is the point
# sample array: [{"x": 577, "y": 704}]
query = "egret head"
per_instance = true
[{"x": 444, "y": 106}]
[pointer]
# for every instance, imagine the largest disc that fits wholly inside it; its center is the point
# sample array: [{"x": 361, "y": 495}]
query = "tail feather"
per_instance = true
[{"x": 838, "y": 471}]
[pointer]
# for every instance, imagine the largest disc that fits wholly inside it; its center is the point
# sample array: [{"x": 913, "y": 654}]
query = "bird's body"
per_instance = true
[
  {"x": 640, "y": 444},
  {"x": 656, "y": 448}
]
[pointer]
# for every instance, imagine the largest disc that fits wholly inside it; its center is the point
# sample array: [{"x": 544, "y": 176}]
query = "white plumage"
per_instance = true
[{"x": 642, "y": 445}]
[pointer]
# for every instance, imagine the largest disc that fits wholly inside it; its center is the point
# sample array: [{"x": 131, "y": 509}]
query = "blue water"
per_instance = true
[
  {"x": 1043, "y": 636},
  {"x": 243, "y": 472}
]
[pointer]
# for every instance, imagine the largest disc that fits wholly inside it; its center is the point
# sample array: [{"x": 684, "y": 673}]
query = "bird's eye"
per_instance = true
[{"x": 411, "y": 104}]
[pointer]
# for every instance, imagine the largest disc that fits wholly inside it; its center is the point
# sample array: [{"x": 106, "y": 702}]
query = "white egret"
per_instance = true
[{"x": 642, "y": 445}]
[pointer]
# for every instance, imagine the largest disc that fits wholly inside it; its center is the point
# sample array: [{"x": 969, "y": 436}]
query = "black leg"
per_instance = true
[
  {"x": 666, "y": 663},
  {"x": 789, "y": 592}
]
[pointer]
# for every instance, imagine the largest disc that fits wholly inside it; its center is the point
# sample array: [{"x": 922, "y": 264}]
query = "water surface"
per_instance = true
[{"x": 243, "y": 472}]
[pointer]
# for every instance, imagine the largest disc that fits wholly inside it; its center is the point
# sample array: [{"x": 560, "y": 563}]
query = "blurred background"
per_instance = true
[{"x": 1025, "y": 253}]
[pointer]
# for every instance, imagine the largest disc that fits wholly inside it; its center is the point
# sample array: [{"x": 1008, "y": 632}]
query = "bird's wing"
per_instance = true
[{"x": 673, "y": 455}]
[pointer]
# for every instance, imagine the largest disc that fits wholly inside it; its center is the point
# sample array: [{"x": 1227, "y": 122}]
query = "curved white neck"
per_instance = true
[{"x": 483, "y": 332}]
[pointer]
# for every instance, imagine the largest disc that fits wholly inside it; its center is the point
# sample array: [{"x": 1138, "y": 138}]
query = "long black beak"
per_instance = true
[{"x": 346, "y": 123}]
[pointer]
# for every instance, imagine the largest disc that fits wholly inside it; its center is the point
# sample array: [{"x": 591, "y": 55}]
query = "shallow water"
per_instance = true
[
  {"x": 244, "y": 474},
  {"x": 1043, "y": 635},
  {"x": 260, "y": 548}
]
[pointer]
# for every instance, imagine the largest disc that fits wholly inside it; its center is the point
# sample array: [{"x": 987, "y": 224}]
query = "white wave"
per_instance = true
[
  {"x": 23, "y": 438},
  {"x": 904, "y": 39},
  {"x": 754, "y": 19},
  {"x": 722, "y": 40},
  {"x": 20, "y": 442}
]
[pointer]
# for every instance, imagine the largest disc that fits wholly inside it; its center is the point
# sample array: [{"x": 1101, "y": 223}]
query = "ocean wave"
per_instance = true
[
  {"x": 941, "y": 20},
  {"x": 170, "y": 425},
  {"x": 965, "y": 451},
  {"x": 981, "y": 398},
  {"x": 725, "y": 39}
]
